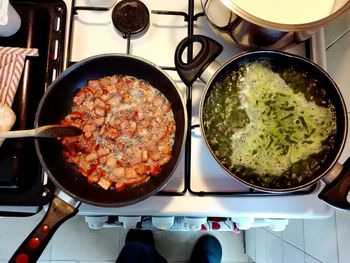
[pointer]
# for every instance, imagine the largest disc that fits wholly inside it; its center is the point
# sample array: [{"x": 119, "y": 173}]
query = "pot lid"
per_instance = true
[{"x": 292, "y": 14}]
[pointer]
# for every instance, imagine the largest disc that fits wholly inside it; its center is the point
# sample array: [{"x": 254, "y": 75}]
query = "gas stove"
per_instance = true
[{"x": 199, "y": 188}]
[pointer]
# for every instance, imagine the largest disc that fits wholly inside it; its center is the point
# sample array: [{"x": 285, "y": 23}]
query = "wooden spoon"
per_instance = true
[{"x": 47, "y": 131}]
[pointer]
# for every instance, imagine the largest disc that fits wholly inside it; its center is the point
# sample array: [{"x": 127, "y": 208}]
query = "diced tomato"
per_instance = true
[
  {"x": 127, "y": 98},
  {"x": 76, "y": 115},
  {"x": 155, "y": 169},
  {"x": 120, "y": 187},
  {"x": 136, "y": 180},
  {"x": 65, "y": 153},
  {"x": 101, "y": 173},
  {"x": 145, "y": 156},
  {"x": 92, "y": 179},
  {"x": 127, "y": 80},
  {"x": 83, "y": 172},
  {"x": 92, "y": 169},
  {"x": 134, "y": 115},
  {"x": 112, "y": 133},
  {"x": 130, "y": 173},
  {"x": 166, "y": 150},
  {"x": 120, "y": 146},
  {"x": 140, "y": 169},
  {"x": 166, "y": 107},
  {"x": 66, "y": 122},
  {"x": 93, "y": 86},
  {"x": 87, "y": 135},
  {"x": 70, "y": 147},
  {"x": 170, "y": 130}
]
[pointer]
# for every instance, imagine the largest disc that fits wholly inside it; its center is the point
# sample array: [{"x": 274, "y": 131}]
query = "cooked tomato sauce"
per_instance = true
[{"x": 128, "y": 127}]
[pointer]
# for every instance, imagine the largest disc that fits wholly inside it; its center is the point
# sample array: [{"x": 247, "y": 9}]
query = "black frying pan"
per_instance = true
[
  {"x": 54, "y": 106},
  {"x": 205, "y": 66}
]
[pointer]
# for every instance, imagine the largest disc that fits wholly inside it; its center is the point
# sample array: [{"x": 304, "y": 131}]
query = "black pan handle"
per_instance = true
[
  {"x": 336, "y": 192},
  {"x": 190, "y": 71},
  {"x": 32, "y": 247}
]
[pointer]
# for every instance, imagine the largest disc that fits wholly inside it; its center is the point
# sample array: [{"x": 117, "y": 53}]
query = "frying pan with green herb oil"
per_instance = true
[
  {"x": 275, "y": 121},
  {"x": 271, "y": 128}
]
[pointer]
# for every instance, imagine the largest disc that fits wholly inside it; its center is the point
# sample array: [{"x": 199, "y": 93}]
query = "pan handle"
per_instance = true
[
  {"x": 336, "y": 192},
  {"x": 32, "y": 247},
  {"x": 190, "y": 71}
]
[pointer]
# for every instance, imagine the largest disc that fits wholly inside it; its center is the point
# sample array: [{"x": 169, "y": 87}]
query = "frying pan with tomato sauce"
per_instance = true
[
  {"x": 210, "y": 71},
  {"x": 54, "y": 106}
]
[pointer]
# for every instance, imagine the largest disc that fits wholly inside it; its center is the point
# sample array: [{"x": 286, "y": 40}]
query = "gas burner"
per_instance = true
[{"x": 130, "y": 16}]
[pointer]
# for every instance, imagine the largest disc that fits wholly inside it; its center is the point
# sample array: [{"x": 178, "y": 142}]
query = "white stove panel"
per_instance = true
[{"x": 94, "y": 34}]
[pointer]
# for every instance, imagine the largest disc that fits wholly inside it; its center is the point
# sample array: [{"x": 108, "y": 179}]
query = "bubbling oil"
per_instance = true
[
  {"x": 273, "y": 127},
  {"x": 284, "y": 126}
]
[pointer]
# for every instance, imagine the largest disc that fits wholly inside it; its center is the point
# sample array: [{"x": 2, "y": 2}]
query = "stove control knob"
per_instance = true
[
  {"x": 276, "y": 224},
  {"x": 243, "y": 223},
  {"x": 96, "y": 222},
  {"x": 195, "y": 223},
  {"x": 129, "y": 221},
  {"x": 163, "y": 222}
]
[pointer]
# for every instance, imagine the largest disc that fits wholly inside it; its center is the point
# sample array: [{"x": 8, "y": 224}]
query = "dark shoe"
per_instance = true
[
  {"x": 143, "y": 236},
  {"x": 206, "y": 249}
]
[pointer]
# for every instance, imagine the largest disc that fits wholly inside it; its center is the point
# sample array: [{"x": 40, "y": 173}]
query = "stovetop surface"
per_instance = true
[
  {"x": 170, "y": 22},
  {"x": 91, "y": 32}
]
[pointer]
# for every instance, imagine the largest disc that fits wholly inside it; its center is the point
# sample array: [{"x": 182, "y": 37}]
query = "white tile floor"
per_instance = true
[
  {"x": 75, "y": 242},
  {"x": 303, "y": 241}
]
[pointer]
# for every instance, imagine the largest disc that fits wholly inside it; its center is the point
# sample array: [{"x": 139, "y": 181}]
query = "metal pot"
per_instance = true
[
  {"x": 241, "y": 28},
  {"x": 205, "y": 67},
  {"x": 73, "y": 187}
]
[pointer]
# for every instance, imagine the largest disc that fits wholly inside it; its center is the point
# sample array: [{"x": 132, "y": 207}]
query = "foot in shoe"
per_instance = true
[
  {"x": 207, "y": 249},
  {"x": 137, "y": 235}
]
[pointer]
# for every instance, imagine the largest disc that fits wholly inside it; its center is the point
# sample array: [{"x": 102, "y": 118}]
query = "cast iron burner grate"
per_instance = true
[{"x": 130, "y": 17}]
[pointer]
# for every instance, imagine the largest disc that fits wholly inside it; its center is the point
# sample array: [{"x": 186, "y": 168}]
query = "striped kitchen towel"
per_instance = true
[{"x": 11, "y": 68}]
